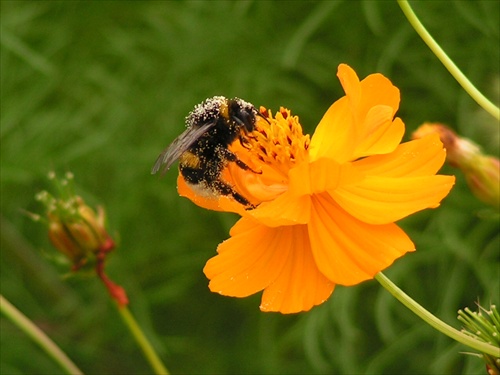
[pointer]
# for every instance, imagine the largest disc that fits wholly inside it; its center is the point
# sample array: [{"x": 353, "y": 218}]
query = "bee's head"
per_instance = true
[{"x": 242, "y": 113}]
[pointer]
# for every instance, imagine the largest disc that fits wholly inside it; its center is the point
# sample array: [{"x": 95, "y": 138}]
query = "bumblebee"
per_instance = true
[{"x": 202, "y": 149}]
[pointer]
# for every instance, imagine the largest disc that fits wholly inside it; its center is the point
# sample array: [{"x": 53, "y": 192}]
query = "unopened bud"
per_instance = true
[
  {"x": 79, "y": 232},
  {"x": 484, "y": 325},
  {"x": 75, "y": 229},
  {"x": 482, "y": 172}
]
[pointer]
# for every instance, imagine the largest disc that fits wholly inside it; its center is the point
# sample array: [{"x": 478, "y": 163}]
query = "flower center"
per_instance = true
[
  {"x": 275, "y": 146},
  {"x": 279, "y": 142}
]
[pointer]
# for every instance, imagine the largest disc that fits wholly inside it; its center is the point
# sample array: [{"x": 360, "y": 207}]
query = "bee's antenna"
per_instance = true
[{"x": 264, "y": 117}]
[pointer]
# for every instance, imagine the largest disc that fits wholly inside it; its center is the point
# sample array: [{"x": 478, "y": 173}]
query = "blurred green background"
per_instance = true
[{"x": 100, "y": 88}]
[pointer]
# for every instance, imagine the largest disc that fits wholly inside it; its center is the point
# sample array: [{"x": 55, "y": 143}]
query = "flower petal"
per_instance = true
[
  {"x": 293, "y": 206},
  {"x": 350, "y": 83},
  {"x": 421, "y": 157},
  {"x": 382, "y": 200},
  {"x": 359, "y": 124},
  {"x": 348, "y": 251},
  {"x": 283, "y": 210},
  {"x": 335, "y": 135},
  {"x": 374, "y": 101},
  {"x": 300, "y": 285},
  {"x": 210, "y": 202},
  {"x": 278, "y": 260},
  {"x": 250, "y": 260},
  {"x": 321, "y": 175},
  {"x": 384, "y": 137},
  {"x": 375, "y": 90}
]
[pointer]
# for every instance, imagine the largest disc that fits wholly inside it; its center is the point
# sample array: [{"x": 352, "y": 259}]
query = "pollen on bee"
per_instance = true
[{"x": 224, "y": 109}]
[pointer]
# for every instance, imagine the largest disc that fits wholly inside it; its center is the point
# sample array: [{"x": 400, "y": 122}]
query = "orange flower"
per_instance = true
[{"x": 326, "y": 206}]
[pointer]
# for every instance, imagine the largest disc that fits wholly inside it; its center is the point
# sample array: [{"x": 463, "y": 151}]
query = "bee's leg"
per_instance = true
[
  {"x": 224, "y": 189},
  {"x": 244, "y": 166},
  {"x": 231, "y": 156},
  {"x": 244, "y": 142}
]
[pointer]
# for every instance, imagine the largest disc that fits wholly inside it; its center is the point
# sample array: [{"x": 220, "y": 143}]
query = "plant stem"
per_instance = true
[
  {"x": 37, "y": 335},
  {"x": 480, "y": 99},
  {"x": 155, "y": 361},
  {"x": 433, "y": 321}
]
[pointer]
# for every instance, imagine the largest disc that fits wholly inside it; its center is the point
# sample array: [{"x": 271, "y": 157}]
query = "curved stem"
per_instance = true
[
  {"x": 37, "y": 335},
  {"x": 140, "y": 338},
  {"x": 467, "y": 85},
  {"x": 433, "y": 321}
]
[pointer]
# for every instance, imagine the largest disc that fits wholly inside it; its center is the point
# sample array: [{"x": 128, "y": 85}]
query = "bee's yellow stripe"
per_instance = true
[
  {"x": 224, "y": 110},
  {"x": 188, "y": 159}
]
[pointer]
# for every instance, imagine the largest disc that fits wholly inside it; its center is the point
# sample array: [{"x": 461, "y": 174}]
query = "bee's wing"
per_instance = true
[{"x": 179, "y": 146}]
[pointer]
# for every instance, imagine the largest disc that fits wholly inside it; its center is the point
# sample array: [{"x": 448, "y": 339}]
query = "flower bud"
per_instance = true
[
  {"x": 482, "y": 172},
  {"x": 75, "y": 229},
  {"x": 484, "y": 325},
  {"x": 79, "y": 232}
]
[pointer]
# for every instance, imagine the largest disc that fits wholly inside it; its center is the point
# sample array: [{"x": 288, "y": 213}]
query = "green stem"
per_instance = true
[
  {"x": 140, "y": 338},
  {"x": 38, "y": 336},
  {"x": 433, "y": 321},
  {"x": 480, "y": 99}
]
